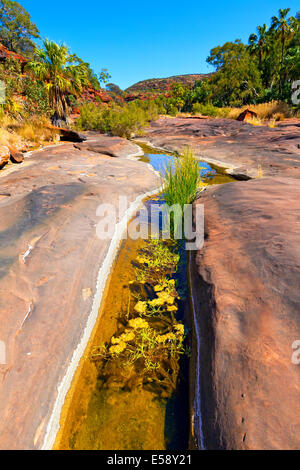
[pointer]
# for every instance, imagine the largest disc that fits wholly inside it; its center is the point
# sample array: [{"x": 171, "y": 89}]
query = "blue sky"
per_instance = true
[{"x": 142, "y": 39}]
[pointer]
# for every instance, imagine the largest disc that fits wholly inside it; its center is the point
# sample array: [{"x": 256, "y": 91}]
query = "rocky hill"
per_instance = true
[{"x": 163, "y": 84}]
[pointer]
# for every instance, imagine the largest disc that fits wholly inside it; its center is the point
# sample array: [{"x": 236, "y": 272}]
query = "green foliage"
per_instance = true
[
  {"x": 10, "y": 74},
  {"x": 180, "y": 182},
  {"x": 154, "y": 260},
  {"x": 34, "y": 93},
  {"x": 91, "y": 76},
  {"x": 237, "y": 80},
  {"x": 62, "y": 73},
  {"x": 104, "y": 76},
  {"x": 37, "y": 100},
  {"x": 261, "y": 71},
  {"x": 278, "y": 54},
  {"x": 205, "y": 109},
  {"x": 17, "y": 31},
  {"x": 114, "y": 89},
  {"x": 117, "y": 120}
]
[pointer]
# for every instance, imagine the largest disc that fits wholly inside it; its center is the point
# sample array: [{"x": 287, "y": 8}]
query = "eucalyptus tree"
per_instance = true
[{"x": 17, "y": 31}]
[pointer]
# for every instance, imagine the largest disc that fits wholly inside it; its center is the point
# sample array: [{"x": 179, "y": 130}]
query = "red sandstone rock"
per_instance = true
[
  {"x": 7, "y": 54},
  {"x": 4, "y": 155},
  {"x": 112, "y": 146},
  {"x": 247, "y": 114},
  {"x": 246, "y": 294},
  {"x": 68, "y": 135},
  {"x": 15, "y": 155},
  {"x": 90, "y": 94},
  {"x": 239, "y": 146}
]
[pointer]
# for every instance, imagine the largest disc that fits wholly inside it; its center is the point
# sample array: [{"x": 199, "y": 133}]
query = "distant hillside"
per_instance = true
[{"x": 162, "y": 84}]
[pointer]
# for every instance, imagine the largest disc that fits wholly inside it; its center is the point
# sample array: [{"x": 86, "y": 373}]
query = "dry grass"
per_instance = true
[
  {"x": 26, "y": 134},
  {"x": 272, "y": 123},
  {"x": 255, "y": 121},
  {"x": 277, "y": 110},
  {"x": 273, "y": 112}
]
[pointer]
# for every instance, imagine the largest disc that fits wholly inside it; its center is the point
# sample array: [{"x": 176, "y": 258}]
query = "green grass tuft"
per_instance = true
[{"x": 181, "y": 180}]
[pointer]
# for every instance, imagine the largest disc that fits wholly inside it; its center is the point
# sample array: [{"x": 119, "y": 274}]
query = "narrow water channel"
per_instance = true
[{"x": 101, "y": 414}]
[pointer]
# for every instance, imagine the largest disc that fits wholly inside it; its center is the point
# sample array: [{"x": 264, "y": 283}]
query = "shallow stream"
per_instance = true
[{"x": 101, "y": 416}]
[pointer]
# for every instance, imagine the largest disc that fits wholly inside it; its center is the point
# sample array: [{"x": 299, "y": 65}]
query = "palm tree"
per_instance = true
[
  {"x": 62, "y": 73},
  {"x": 283, "y": 26},
  {"x": 260, "y": 43}
]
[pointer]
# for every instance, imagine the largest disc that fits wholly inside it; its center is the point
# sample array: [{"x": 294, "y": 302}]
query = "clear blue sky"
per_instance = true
[{"x": 143, "y": 39}]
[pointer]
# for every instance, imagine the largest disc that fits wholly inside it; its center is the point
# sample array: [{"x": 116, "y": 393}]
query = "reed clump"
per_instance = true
[{"x": 181, "y": 179}]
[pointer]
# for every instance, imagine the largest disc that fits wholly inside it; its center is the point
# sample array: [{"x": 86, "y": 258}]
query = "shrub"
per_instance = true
[
  {"x": 123, "y": 121},
  {"x": 37, "y": 101},
  {"x": 205, "y": 109}
]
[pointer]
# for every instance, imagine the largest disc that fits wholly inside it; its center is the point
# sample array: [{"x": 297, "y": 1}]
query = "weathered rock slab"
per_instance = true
[
  {"x": 242, "y": 148},
  {"x": 246, "y": 292},
  {"x": 50, "y": 257},
  {"x": 112, "y": 146}
]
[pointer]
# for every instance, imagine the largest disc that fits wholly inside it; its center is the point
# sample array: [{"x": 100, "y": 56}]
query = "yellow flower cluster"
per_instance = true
[
  {"x": 162, "y": 298},
  {"x": 172, "y": 308},
  {"x": 179, "y": 327},
  {"x": 141, "y": 307},
  {"x": 118, "y": 348},
  {"x": 137, "y": 323},
  {"x": 166, "y": 337},
  {"x": 129, "y": 335},
  {"x": 119, "y": 344},
  {"x": 165, "y": 284},
  {"x": 142, "y": 259}
]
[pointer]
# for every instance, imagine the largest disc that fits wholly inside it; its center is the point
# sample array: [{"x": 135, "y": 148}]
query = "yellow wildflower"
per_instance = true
[
  {"x": 138, "y": 323},
  {"x": 118, "y": 348},
  {"x": 141, "y": 307},
  {"x": 166, "y": 337},
  {"x": 127, "y": 336},
  {"x": 142, "y": 260},
  {"x": 115, "y": 340},
  {"x": 172, "y": 308},
  {"x": 179, "y": 327},
  {"x": 166, "y": 298}
]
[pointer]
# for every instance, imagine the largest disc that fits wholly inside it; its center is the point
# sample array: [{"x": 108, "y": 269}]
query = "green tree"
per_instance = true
[
  {"x": 260, "y": 43},
  {"x": 283, "y": 26},
  {"x": 62, "y": 73},
  {"x": 292, "y": 59},
  {"x": 17, "y": 31},
  {"x": 178, "y": 95},
  {"x": 91, "y": 75},
  {"x": 237, "y": 80},
  {"x": 104, "y": 76},
  {"x": 115, "y": 89}
]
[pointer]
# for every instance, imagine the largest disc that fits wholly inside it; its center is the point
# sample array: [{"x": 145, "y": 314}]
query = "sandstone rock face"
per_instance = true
[
  {"x": 239, "y": 146},
  {"x": 246, "y": 294},
  {"x": 112, "y": 146},
  {"x": 4, "y": 155},
  {"x": 50, "y": 257}
]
